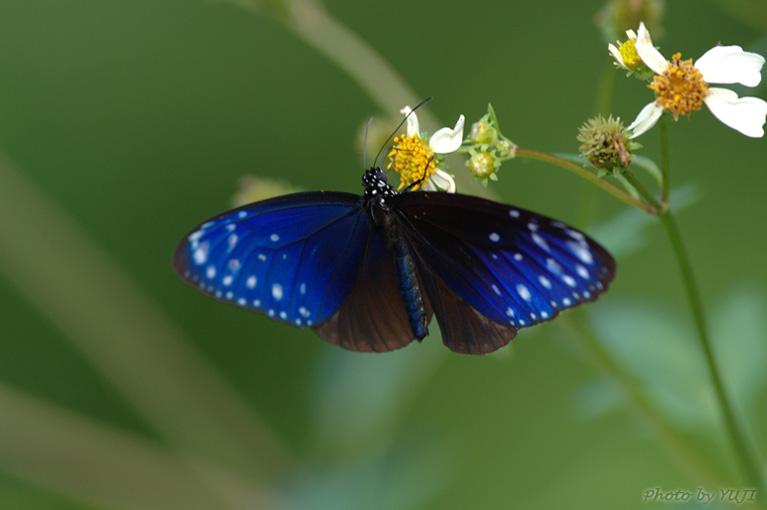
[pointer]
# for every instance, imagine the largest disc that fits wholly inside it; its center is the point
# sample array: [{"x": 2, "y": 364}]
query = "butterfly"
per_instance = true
[{"x": 369, "y": 272}]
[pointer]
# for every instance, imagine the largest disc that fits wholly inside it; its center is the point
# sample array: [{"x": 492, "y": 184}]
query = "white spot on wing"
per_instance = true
[
  {"x": 211, "y": 272},
  {"x": 200, "y": 255},
  {"x": 251, "y": 282},
  {"x": 523, "y": 292},
  {"x": 494, "y": 237},
  {"x": 274, "y": 238},
  {"x": 582, "y": 271},
  {"x": 569, "y": 280},
  {"x": 496, "y": 289},
  {"x": 513, "y": 213},
  {"x": 581, "y": 251},
  {"x": 227, "y": 281},
  {"x": 540, "y": 242},
  {"x": 277, "y": 291},
  {"x": 576, "y": 235},
  {"x": 544, "y": 281},
  {"x": 553, "y": 266}
]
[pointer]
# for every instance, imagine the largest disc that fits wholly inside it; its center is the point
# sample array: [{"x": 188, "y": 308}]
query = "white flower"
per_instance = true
[
  {"x": 625, "y": 61},
  {"x": 412, "y": 156},
  {"x": 682, "y": 87}
]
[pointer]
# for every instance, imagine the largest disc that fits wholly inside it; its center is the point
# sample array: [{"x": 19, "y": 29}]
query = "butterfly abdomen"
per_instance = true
[{"x": 409, "y": 288}]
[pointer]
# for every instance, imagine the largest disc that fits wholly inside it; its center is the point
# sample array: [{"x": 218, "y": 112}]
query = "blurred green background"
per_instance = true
[{"x": 124, "y": 123}]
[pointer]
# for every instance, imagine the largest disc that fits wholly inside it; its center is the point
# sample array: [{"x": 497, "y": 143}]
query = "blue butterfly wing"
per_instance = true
[
  {"x": 490, "y": 268},
  {"x": 306, "y": 259},
  {"x": 294, "y": 258}
]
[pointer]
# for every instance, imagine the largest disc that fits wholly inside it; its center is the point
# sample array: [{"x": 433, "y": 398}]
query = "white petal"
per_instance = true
[
  {"x": 646, "y": 119},
  {"x": 648, "y": 53},
  {"x": 745, "y": 114},
  {"x": 443, "y": 181},
  {"x": 447, "y": 140},
  {"x": 730, "y": 64},
  {"x": 412, "y": 121},
  {"x": 616, "y": 55}
]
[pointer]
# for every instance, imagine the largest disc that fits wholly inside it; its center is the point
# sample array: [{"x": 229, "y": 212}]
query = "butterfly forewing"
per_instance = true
[
  {"x": 294, "y": 258},
  {"x": 513, "y": 266}
]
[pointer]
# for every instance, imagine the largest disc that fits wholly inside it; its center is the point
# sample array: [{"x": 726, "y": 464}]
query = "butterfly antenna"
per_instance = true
[
  {"x": 423, "y": 177},
  {"x": 394, "y": 133},
  {"x": 365, "y": 144}
]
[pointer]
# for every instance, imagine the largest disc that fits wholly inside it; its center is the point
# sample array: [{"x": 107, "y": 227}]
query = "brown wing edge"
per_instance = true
[
  {"x": 373, "y": 317},
  {"x": 464, "y": 329}
]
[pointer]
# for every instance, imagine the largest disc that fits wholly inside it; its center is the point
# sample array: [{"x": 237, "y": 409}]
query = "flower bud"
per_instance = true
[
  {"x": 605, "y": 143},
  {"x": 483, "y": 165},
  {"x": 483, "y": 132}
]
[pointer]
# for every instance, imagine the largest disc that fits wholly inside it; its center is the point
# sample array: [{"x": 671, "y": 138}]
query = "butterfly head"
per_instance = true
[{"x": 376, "y": 185}]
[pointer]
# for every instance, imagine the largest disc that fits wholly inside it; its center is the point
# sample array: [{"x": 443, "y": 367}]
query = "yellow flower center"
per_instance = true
[
  {"x": 681, "y": 88},
  {"x": 413, "y": 160},
  {"x": 629, "y": 53}
]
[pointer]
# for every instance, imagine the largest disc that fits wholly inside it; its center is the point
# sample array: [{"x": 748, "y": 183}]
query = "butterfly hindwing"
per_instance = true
[
  {"x": 514, "y": 267},
  {"x": 294, "y": 258},
  {"x": 373, "y": 317}
]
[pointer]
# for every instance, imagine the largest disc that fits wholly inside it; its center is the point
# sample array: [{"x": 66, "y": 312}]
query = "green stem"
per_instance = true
[
  {"x": 662, "y": 129},
  {"x": 744, "y": 450},
  {"x": 680, "y": 445},
  {"x": 735, "y": 429},
  {"x": 586, "y": 174},
  {"x": 658, "y": 208},
  {"x": 310, "y": 22}
]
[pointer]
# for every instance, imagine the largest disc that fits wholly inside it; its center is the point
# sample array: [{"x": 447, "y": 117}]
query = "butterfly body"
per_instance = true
[{"x": 368, "y": 273}]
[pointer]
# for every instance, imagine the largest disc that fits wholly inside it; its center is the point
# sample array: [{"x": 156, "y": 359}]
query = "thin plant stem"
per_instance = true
[
  {"x": 745, "y": 451},
  {"x": 663, "y": 130},
  {"x": 658, "y": 208},
  {"x": 743, "y": 447},
  {"x": 687, "y": 453},
  {"x": 586, "y": 174},
  {"x": 312, "y": 23},
  {"x": 78, "y": 287}
]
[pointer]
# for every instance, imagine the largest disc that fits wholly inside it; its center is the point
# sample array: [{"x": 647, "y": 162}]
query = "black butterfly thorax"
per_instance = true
[{"x": 386, "y": 220}]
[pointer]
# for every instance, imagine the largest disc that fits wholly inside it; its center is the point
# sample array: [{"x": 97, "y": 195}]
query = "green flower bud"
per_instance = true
[
  {"x": 483, "y": 165},
  {"x": 483, "y": 132},
  {"x": 605, "y": 143},
  {"x": 506, "y": 148}
]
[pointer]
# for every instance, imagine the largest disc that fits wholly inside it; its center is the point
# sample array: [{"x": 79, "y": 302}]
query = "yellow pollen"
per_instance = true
[
  {"x": 681, "y": 89},
  {"x": 629, "y": 53},
  {"x": 413, "y": 160}
]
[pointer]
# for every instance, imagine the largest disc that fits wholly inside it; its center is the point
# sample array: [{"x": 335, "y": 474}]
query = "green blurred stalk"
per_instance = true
[
  {"x": 745, "y": 451},
  {"x": 76, "y": 286},
  {"x": 61, "y": 451},
  {"x": 311, "y": 23},
  {"x": 743, "y": 448}
]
